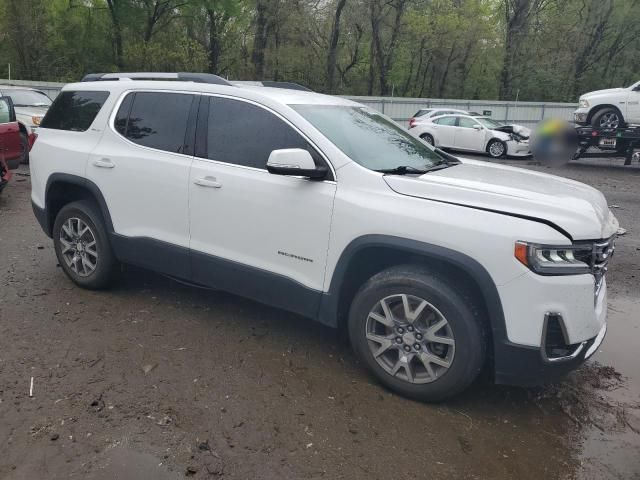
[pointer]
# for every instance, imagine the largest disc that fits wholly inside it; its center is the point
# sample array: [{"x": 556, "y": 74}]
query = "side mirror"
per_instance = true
[
  {"x": 477, "y": 127},
  {"x": 294, "y": 162}
]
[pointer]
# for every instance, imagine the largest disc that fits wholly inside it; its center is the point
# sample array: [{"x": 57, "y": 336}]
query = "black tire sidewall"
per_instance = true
[
  {"x": 463, "y": 319},
  {"x": 88, "y": 213},
  {"x": 504, "y": 145}
]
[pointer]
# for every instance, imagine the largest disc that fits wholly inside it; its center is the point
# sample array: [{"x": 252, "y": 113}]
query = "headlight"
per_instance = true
[
  {"x": 555, "y": 260},
  {"x": 35, "y": 120},
  {"x": 583, "y": 103}
]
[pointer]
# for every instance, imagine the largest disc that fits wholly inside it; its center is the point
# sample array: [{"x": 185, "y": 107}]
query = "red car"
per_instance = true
[{"x": 10, "y": 142}]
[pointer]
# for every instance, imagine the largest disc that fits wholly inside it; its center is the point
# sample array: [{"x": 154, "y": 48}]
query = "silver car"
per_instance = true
[{"x": 30, "y": 106}]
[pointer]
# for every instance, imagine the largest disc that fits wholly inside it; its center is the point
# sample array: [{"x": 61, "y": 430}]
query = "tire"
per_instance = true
[
  {"x": 24, "y": 141},
  {"x": 427, "y": 137},
  {"x": 464, "y": 326},
  {"x": 72, "y": 218},
  {"x": 607, "y": 118},
  {"x": 496, "y": 148}
]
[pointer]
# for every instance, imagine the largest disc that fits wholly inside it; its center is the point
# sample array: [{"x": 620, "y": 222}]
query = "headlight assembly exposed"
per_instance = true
[
  {"x": 584, "y": 103},
  {"x": 554, "y": 260}
]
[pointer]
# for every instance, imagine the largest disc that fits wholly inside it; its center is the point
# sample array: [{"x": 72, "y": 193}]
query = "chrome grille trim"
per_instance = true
[{"x": 602, "y": 252}]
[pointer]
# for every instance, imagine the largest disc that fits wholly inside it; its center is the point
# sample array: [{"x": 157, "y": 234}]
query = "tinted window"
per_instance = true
[
  {"x": 422, "y": 112},
  {"x": 74, "y": 111},
  {"x": 451, "y": 121},
  {"x": 245, "y": 134},
  {"x": 123, "y": 114},
  {"x": 465, "y": 122},
  {"x": 157, "y": 120}
]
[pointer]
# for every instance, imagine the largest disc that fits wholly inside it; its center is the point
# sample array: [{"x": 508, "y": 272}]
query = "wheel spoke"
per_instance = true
[
  {"x": 384, "y": 342},
  {"x": 66, "y": 245},
  {"x": 67, "y": 230},
  {"x": 412, "y": 315}
]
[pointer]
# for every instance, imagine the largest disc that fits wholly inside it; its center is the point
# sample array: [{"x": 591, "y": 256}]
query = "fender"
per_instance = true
[
  {"x": 328, "y": 313},
  {"x": 81, "y": 182}
]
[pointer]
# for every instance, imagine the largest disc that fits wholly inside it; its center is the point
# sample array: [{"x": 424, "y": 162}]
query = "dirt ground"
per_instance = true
[{"x": 154, "y": 379}]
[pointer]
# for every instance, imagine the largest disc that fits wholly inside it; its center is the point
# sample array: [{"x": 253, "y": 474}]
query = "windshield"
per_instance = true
[
  {"x": 487, "y": 122},
  {"x": 28, "y": 98},
  {"x": 369, "y": 138}
]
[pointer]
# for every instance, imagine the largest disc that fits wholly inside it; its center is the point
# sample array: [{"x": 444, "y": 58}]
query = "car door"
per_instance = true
[
  {"x": 444, "y": 130},
  {"x": 469, "y": 135},
  {"x": 253, "y": 233},
  {"x": 141, "y": 166},
  {"x": 10, "y": 144}
]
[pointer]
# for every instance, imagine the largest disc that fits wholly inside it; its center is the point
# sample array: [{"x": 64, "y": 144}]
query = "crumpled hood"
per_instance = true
[
  {"x": 522, "y": 132},
  {"x": 574, "y": 207},
  {"x": 598, "y": 93}
]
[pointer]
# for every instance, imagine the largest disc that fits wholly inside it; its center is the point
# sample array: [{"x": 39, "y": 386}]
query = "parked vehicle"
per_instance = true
[
  {"x": 610, "y": 108},
  {"x": 10, "y": 147},
  {"x": 426, "y": 114},
  {"x": 30, "y": 106},
  {"x": 436, "y": 267},
  {"x": 475, "y": 134}
]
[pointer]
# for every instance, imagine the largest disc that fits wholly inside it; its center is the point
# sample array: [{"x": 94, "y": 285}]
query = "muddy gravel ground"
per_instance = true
[{"x": 158, "y": 380}]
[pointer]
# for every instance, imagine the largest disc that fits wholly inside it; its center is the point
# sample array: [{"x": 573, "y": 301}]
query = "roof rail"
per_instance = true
[
  {"x": 272, "y": 84},
  {"x": 180, "y": 76}
]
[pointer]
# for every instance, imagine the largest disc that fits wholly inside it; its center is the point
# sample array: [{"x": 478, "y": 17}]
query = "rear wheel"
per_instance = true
[
  {"x": 82, "y": 245},
  {"x": 417, "y": 334},
  {"x": 607, "y": 118},
  {"x": 428, "y": 138}
]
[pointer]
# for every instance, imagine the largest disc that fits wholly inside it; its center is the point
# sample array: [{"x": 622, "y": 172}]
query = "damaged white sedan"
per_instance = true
[{"x": 475, "y": 134}]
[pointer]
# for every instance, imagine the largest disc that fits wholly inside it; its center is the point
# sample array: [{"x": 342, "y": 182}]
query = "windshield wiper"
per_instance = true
[{"x": 407, "y": 170}]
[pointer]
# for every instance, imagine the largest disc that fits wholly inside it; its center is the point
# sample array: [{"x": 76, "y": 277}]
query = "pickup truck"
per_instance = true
[{"x": 611, "y": 108}]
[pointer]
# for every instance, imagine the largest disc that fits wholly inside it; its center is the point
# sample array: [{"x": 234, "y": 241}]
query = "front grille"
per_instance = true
[{"x": 597, "y": 255}]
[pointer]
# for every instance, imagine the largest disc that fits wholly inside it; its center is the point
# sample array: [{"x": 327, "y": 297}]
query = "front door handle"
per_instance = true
[
  {"x": 210, "y": 182},
  {"x": 104, "y": 163}
]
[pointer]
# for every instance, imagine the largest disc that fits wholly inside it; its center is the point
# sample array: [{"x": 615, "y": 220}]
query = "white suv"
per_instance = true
[
  {"x": 435, "y": 267},
  {"x": 611, "y": 108}
]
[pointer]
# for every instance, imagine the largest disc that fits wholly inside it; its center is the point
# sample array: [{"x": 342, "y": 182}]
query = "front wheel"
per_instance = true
[
  {"x": 82, "y": 245},
  {"x": 496, "y": 148},
  {"x": 417, "y": 334},
  {"x": 607, "y": 118}
]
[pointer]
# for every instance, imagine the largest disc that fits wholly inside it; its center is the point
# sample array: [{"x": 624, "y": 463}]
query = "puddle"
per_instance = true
[{"x": 611, "y": 447}]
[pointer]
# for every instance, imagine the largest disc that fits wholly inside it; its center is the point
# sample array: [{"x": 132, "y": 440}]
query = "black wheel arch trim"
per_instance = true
[
  {"x": 329, "y": 308},
  {"x": 81, "y": 182}
]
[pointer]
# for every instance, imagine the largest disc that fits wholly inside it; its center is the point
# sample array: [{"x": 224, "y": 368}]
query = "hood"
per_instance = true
[
  {"x": 522, "y": 132},
  {"x": 571, "y": 206},
  {"x": 598, "y": 93},
  {"x": 24, "y": 114}
]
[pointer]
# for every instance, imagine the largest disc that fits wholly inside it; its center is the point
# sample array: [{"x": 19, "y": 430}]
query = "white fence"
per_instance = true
[{"x": 402, "y": 109}]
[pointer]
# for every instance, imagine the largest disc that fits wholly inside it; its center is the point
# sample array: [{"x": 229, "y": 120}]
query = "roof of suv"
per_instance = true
[{"x": 280, "y": 95}]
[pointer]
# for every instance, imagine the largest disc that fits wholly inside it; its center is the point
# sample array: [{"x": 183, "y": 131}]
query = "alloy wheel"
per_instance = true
[
  {"x": 79, "y": 247},
  {"x": 496, "y": 149},
  {"x": 609, "y": 120},
  {"x": 410, "y": 338}
]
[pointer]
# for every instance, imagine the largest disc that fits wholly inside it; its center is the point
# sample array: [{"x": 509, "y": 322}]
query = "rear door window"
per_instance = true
[
  {"x": 155, "y": 119},
  {"x": 74, "y": 111}
]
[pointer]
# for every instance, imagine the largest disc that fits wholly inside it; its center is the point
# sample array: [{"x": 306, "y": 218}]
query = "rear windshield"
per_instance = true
[
  {"x": 422, "y": 112},
  {"x": 74, "y": 111}
]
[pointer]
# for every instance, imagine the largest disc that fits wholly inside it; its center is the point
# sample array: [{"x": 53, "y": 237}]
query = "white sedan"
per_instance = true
[{"x": 475, "y": 134}]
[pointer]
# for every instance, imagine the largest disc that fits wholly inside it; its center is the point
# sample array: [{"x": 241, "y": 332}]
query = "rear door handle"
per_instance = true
[
  {"x": 104, "y": 163},
  {"x": 209, "y": 182}
]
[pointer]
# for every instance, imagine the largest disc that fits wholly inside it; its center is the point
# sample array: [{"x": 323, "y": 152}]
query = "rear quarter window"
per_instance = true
[{"x": 74, "y": 111}]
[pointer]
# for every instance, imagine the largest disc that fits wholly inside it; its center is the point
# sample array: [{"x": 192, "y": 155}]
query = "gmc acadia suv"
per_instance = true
[{"x": 436, "y": 267}]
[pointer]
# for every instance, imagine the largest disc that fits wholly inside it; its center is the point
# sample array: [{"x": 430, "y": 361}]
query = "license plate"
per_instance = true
[{"x": 607, "y": 142}]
